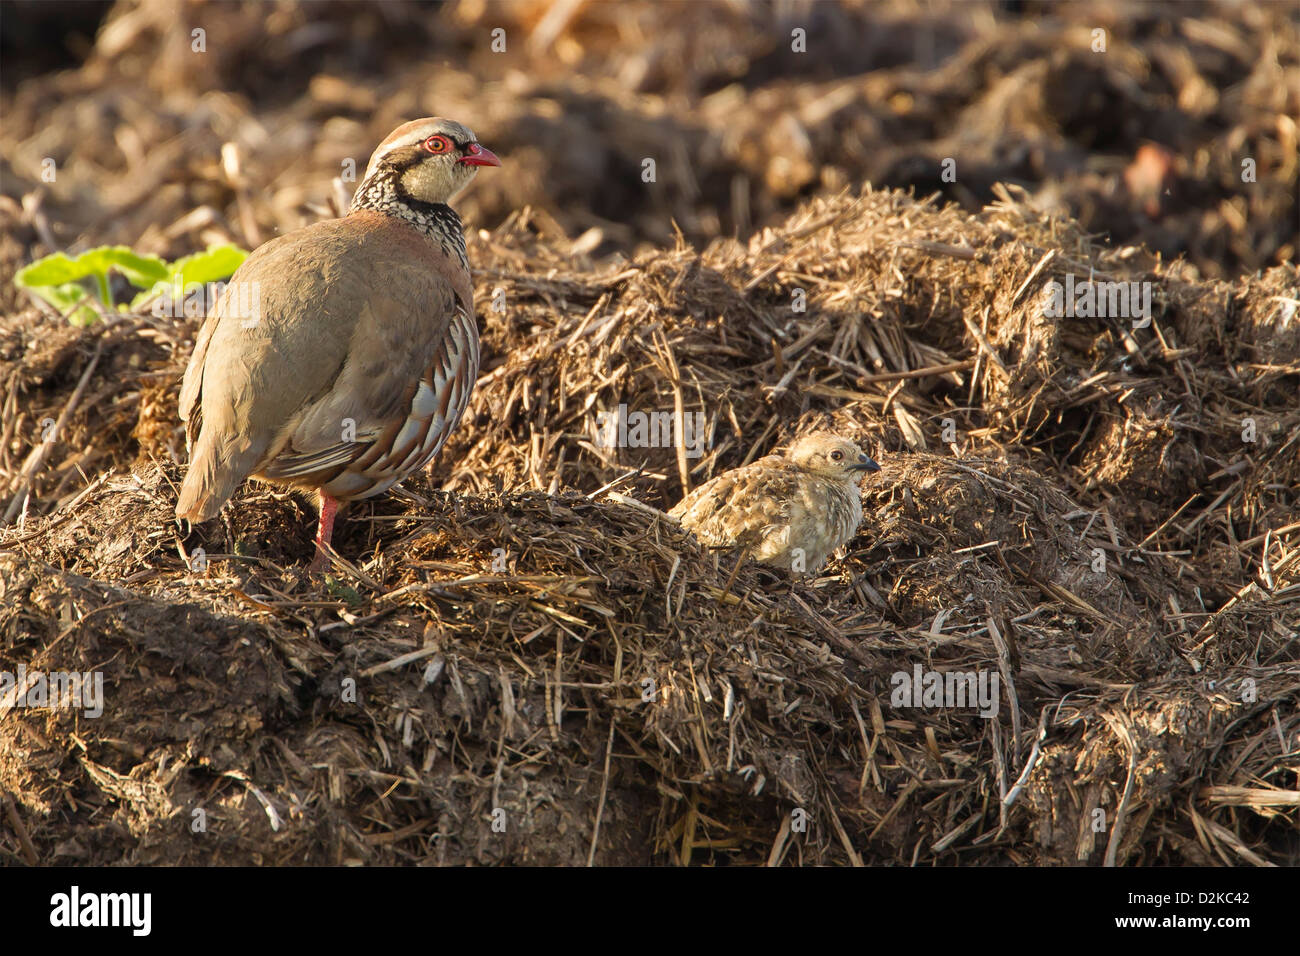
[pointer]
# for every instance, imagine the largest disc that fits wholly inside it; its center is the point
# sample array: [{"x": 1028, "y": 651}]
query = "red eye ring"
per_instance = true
[{"x": 437, "y": 144}]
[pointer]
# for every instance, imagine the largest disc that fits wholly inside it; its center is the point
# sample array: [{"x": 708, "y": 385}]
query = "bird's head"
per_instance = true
[
  {"x": 830, "y": 456},
  {"x": 429, "y": 160}
]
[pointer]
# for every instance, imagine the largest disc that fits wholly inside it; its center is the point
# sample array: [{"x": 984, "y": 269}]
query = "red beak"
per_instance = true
[{"x": 476, "y": 155}]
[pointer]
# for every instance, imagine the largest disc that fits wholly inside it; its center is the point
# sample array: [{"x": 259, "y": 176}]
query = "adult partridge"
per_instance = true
[
  {"x": 790, "y": 511},
  {"x": 342, "y": 355}
]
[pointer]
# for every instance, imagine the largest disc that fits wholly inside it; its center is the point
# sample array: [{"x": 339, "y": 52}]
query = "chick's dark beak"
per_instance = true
[
  {"x": 476, "y": 155},
  {"x": 864, "y": 464}
]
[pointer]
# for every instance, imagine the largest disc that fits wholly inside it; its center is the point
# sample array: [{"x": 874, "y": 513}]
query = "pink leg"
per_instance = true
[{"x": 324, "y": 531}]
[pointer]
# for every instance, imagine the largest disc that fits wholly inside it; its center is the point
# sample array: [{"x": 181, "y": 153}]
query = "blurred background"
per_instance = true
[{"x": 1143, "y": 143}]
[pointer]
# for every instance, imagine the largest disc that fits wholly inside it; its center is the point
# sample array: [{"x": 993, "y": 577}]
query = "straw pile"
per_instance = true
[{"x": 520, "y": 668}]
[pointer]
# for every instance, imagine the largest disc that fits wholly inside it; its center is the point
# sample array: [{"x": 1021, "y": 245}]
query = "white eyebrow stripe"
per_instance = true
[{"x": 459, "y": 136}]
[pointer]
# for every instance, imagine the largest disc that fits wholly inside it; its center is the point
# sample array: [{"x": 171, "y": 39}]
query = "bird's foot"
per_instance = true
[{"x": 324, "y": 531}]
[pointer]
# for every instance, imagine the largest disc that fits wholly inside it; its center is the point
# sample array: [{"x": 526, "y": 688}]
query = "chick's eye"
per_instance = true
[
  {"x": 837, "y": 456},
  {"x": 437, "y": 144}
]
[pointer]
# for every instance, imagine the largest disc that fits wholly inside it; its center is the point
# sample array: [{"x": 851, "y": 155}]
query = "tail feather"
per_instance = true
[{"x": 210, "y": 481}]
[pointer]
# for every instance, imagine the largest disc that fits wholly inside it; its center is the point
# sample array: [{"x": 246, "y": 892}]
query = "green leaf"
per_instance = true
[
  {"x": 84, "y": 316},
  {"x": 55, "y": 277},
  {"x": 139, "y": 270},
  {"x": 53, "y": 270},
  {"x": 63, "y": 297},
  {"x": 58, "y": 269},
  {"x": 345, "y": 592},
  {"x": 219, "y": 262}
]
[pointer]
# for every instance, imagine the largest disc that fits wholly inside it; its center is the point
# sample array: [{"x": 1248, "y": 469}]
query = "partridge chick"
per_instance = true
[
  {"x": 343, "y": 354},
  {"x": 791, "y": 511}
]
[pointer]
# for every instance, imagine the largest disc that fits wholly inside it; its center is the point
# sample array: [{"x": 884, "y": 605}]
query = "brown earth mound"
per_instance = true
[{"x": 520, "y": 667}]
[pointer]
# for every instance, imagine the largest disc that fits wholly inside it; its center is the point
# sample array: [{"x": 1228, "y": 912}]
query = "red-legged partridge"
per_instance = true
[
  {"x": 790, "y": 511},
  {"x": 342, "y": 355}
]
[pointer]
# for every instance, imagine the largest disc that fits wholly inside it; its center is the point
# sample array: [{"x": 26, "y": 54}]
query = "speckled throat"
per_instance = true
[{"x": 381, "y": 191}]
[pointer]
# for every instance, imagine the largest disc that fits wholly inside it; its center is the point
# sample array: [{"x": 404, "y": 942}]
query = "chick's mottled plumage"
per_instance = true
[{"x": 792, "y": 511}]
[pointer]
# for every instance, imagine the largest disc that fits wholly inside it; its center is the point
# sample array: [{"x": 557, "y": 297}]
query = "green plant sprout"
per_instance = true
[{"x": 65, "y": 282}]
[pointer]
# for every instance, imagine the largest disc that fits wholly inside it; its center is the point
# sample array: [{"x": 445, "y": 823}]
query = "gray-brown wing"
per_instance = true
[
  {"x": 334, "y": 353},
  {"x": 742, "y": 507},
  {"x": 192, "y": 383}
]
